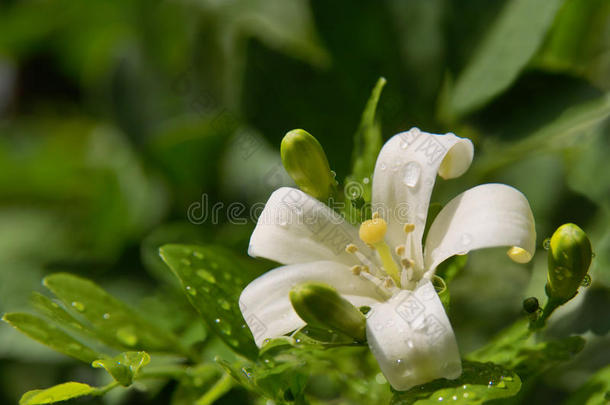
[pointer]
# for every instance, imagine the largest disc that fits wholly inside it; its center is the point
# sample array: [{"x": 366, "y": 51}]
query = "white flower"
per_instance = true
[{"x": 407, "y": 328}]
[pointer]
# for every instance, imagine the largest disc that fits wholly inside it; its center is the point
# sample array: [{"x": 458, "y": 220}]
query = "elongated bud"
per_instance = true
[
  {"x": 320, "y": 305},
  {"x": 569, "y": 259},
  {"x": 305, "y": 161}
]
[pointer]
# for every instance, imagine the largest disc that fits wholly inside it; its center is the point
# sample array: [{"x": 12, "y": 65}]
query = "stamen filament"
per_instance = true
[{"x": 389, "y": 265}]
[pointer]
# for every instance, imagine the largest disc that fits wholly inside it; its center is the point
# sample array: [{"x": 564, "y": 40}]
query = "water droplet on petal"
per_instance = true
[
  {"x": 79, "y": 306},
  {"x": 411, "y": 174},
  {"x": 382, "y": 166}
]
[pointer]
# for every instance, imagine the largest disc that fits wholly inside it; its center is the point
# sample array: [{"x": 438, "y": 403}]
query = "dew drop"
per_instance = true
[
  {"x": 411, "y": 174},
  {"x": 106, "y": 316},
  {"x": 365, "y": 180},
  {"x": 593, "y": 255},
  {"x": 546, "y": 244},
  {"x": 440, "y": 399},
  {"x": 206, "y": 275},
  {"x": 454, "y": 397},
  {"x": 224, "y": 304},
  {"x": 79, "y": 306},
  {"x": 198, "y": 255},
  {"x": 224, "y": 327},
  {"x": 191, "y": 290},
  {"x": 127, "y": 337},
  {"x": 586, "y": 281},
  {"x": 382, "y": 166},
  {"x": 490, "y": 384},
  {"x": 410, "y": 344}
]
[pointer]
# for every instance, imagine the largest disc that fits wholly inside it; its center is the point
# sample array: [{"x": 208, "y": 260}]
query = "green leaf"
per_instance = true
[
  {"x": 50, "y": 335},
  {"x": 559, "y": 133},
  {"x": 593, "y": 392},
  {"x": 112, "y": 320},
  {"x": 512, "y": 41},
  {"x": 61, "y": 392},
  {"x": 367, "y": 144},
  {"x": 577, "y": 41},
  {"x": 124, "y": 367},
  {"x": 56, "y": 313},
  {"x": 546, "y": 355},
  {"x": 505, "y": 345},
  {"x": 213, "y": 280},
  {"x": 479, "y": 382}
]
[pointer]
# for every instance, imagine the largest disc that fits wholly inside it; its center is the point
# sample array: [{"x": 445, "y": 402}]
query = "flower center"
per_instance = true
[{"x": 393, "y": 274}]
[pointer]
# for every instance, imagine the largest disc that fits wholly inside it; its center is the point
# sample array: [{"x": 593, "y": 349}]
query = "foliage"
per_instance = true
[{"x": 131, "y": 133}]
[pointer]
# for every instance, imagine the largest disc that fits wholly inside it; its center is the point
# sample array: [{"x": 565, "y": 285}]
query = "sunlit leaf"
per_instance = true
[
  {"x": 61, "y": 392},
  {"x": 213, "y": 280},
  {"x": 479, "y": 382},
  {"x": 124, "y": 367},
  {"x": 50, "y": 335},
  {"x": 506, "y": 49},
  {"x": 111, "y": 318}
]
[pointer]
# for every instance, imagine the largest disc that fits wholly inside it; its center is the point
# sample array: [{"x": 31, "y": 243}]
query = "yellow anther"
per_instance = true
[
  {"x": 351, "y": 248},
  {"x": 366, "y": 269},
  {"x": 375, "y": 214},
  {"x": 400, "y": 250},
  {"x": 373, "y": 231},
  {"x": 388, "y": 283},
  {"x": 519, "y": 255},
  {"x": 356, "y": 270},
  {"x": 409, "y": 228}
]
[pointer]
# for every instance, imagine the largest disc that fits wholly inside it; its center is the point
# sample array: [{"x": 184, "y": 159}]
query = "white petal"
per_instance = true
[
  {"x": 488, "y": 215},
  {"x": 412, "y": 339},
  {"x": 266, "y": 306},
  {"x": 404, "y": 176},
  {"x": 296, "y": 228}
]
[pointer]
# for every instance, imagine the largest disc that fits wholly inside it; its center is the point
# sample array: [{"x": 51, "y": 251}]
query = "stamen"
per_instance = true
[
  {"x": 351, "y": 248},
  {"x": 408, "y": 228},
  {"x": 356, "y": 270},
  {"x": 375, "y": 214},
  {"x": 400, "y": 250},
  {"x": 372, "y": 232}
]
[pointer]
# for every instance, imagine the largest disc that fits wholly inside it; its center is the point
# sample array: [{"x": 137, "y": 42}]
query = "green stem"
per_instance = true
[
  {"x": 221, "y": 387},
  {"x": 102, "y": 390},
  {"x": 551, "y": 305}
]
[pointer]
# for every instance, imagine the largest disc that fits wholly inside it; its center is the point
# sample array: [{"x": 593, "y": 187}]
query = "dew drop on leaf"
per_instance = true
[
  {"x": 206, "y": 275},
  {"x": 198, "y": 255},
  {"x": 191, "y": 290},
  {"x": 224, "y": 304},
  {"x": 127, "y": 337},
  {"x": 79, "y": 306},
  {"x": 106, "y": 316},
  {"x": 586, "y": 281}
]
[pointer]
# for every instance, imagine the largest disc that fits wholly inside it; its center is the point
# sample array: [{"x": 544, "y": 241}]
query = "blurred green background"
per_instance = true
[{"x": 120, "y": 119}]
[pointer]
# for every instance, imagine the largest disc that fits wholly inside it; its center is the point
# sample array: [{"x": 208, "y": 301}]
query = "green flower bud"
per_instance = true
[
  {"x": 320, "y": 305},
  {"x": 531, "y": 305},
  {"x": 569, "y": 259},
  {"x": 305, "y": 161}
]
